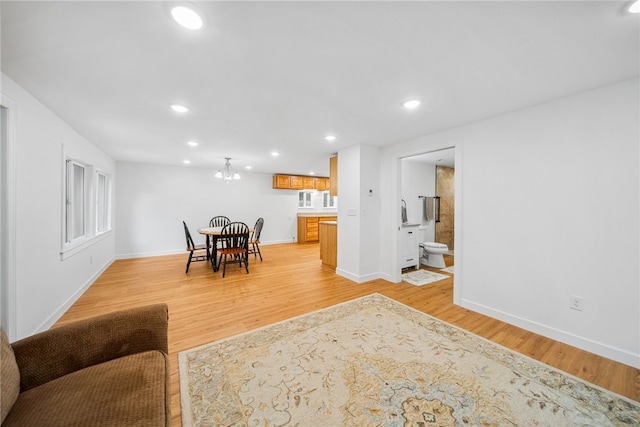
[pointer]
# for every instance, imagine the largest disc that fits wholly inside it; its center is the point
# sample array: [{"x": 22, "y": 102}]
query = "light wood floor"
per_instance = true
[{"x": 204, "y": 307}]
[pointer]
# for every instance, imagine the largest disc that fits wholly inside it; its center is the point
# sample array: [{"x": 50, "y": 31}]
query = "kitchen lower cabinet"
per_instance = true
[
  {"x": 308, "y": 227},
  {"x": 329, "y": 244}
]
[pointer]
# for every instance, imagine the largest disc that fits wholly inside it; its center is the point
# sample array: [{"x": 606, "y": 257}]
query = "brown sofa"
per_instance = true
[{"x": 109, "y": 370}]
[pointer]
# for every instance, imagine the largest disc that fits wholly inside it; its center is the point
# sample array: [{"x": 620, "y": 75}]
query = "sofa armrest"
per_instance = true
[{"x": 74, "y": 346}]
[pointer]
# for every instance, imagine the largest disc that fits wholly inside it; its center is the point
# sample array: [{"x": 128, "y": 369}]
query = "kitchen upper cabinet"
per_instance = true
[
  {"x": 281, "y": 181},
  {"x": 308, "y": 182},
  {"x": 333, "y": 175},
  {"x": 295, "y": 182},
  {"x": 287, "y": 182},
  {"x": 321, "y": 184}
]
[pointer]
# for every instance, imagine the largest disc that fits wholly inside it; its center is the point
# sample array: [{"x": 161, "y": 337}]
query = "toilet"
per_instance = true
[{"x": 432, "y": 254}]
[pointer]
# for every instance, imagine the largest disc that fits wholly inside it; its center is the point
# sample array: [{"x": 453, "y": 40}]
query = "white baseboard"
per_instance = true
[
  {"x": 357, "y": 278},
  {"x": 51, "y": 320},
  {"x": 181, "y": 251},
  {"x": 601, "y": 349},
  {"x": 151, "y": 254}
]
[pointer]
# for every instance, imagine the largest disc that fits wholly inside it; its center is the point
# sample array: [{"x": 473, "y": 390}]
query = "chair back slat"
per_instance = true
[
  {"x": 235, "y": 243},
  {"x": 195, "y": 252},
  {"x": 257, "y": 229},
  {"x": 187, "y": 235},
  {"x": 219, "y": 221},
  {"x": 234, "y": 235}
]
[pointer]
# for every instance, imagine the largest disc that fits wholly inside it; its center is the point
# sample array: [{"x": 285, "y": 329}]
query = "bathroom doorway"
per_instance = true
[{"x": 431, "y": 175}]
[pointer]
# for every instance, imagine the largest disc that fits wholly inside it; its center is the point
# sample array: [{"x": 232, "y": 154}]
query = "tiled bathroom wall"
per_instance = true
[{"x": 445, "y": 188}]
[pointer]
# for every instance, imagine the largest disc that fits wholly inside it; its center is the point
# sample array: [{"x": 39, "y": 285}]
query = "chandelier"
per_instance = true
[{"x": 227, "y": 173}]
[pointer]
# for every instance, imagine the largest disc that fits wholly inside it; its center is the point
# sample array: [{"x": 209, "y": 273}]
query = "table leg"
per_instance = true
[{"x": 214, "y": 253}]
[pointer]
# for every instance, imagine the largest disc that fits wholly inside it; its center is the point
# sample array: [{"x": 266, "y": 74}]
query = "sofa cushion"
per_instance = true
[
  {"x": 9, "y": 376},
  {"x": 129, "y": 391}
]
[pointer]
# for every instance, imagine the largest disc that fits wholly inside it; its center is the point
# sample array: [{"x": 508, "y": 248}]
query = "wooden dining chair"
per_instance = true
[
  {"x": 254, "y": 240},
  {"x": 195, "y": 251},
  {"x": 219, "y": 221},
  {"x": 234, "y": 243}
]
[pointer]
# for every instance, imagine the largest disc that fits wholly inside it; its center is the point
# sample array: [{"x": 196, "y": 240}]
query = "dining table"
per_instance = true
[{"x": 212, "y": 234}]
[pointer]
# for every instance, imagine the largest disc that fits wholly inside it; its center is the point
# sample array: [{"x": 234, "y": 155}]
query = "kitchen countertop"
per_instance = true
[{"x": 319, "y": 214}]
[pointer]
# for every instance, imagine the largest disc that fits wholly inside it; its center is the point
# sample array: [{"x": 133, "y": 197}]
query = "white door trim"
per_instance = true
[{"x": 8, "y": 296}]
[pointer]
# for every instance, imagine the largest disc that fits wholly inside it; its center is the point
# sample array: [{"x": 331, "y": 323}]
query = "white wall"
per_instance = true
[
  {"x": 153, "y": 201},
  {"x": 370, "y": 213},
  {"x": 348, "y": 262},
  {"x": 45, "y": 285},
  {"x": 359, "y": 213},
  {"x": 548, "y": 207},
  {"x": 418, "y": 179}
]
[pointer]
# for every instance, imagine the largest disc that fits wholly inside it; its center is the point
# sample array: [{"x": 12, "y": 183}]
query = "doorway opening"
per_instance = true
[{"x": 428, "y": 192}]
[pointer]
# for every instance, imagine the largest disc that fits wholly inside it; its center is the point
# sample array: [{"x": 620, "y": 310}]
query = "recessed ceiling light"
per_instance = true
[
  {"x": 312, "y": 173},
  {"x": 186, "y": 162},
  {"x": 411, "y": 104},
  {"x": 192, "y": 143},
  {"x": 330, "y": 138},
  {"x": 275, "y": 153},
  {"x": 179, "y": 108},
  {"x": 248, "y": 167},
  {"x": 187, "y": 17},
  {"x": 635, "y": 7}
]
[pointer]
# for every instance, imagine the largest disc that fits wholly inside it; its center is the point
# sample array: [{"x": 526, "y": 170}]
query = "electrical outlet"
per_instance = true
[{"x": 576, "y": 303}]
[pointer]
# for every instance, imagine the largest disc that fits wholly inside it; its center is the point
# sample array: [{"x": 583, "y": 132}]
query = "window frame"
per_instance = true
[
  {"x": 71, "y": 218},
  {"x": 70, "y": 244},
  {"x": 305, "y": 198},
  {"x": 333, "y": 200},
  {"x": 102, "y": 204}
]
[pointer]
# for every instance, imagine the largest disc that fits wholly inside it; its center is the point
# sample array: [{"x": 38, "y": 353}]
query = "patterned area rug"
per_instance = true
[
  {"x": 422, "y": 277},
  {"x": 374, "y": 361}
]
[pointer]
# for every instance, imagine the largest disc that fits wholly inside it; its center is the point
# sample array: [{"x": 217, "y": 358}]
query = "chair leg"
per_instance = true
[
  {"x": 246, "y": 261},
  {"x": 224, "y": 266},
  {"x": 259, "y": 253},
  {"x": 189, "y": 262}
]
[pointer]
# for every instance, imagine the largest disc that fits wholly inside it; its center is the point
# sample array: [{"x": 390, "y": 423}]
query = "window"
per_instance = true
[
  {"x": 86, "y": 205},
  {"x": 329, "y": 201},
  {"x": 75, "y": 201},
  {"x": 103, "y": 203},
  {"x": 304, "y": 199}
]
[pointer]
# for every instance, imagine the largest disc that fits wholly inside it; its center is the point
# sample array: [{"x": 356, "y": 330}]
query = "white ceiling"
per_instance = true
[
  {"x": 264, "y": 76},
  {"x": 444, "y": 157}
]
